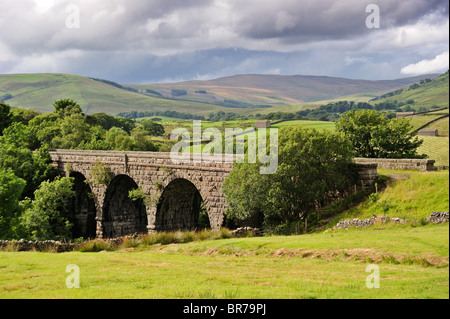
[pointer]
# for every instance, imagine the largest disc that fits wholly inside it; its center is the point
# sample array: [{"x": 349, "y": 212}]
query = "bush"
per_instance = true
[{"x": 96, "y": 246}]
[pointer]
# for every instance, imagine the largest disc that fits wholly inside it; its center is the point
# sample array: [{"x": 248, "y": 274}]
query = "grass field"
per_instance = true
[
  {"x": 307, "y": 124},
  {"x": 437, "y": 148},
  {"x": 412, "y": 259},
  {"x": 414, "y": 196},
  {"x": 413, "y": 263}
]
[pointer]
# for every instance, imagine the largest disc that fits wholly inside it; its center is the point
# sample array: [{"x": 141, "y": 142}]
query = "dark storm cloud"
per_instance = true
[
  {"x": 326, "y": 19},
  {"x": 160, "y": 40}
]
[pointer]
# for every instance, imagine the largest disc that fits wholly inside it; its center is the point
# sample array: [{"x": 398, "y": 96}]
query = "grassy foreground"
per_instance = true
[{"x": 412, "y": 261}]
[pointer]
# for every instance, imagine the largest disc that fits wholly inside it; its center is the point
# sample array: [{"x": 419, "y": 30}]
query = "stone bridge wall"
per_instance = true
[
  {"x": 172, "y": 189},
  {"x": 151, "y": 171},
  {"x": 400, "y": 163}
]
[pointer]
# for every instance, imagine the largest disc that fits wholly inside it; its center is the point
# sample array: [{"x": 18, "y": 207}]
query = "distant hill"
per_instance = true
[
  {"x": 39, "y": 91},
  {"x": 253, "y": 90},
  {"x": 240, "y": 93},
  {"x": 426, "y": 93}
]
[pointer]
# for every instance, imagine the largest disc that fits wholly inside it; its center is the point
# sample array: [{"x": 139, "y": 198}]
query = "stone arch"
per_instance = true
[
  {"x": 122, "y": 215},
  {"x": 181, "y": 207},
  {"x": 82, "y": 208}
]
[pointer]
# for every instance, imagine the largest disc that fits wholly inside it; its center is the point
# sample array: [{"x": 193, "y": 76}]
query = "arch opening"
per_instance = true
[
  {"x": 181, "y": 207},
  {"x": 121, "y": 214},
  {"x": 82, "y": 208}
]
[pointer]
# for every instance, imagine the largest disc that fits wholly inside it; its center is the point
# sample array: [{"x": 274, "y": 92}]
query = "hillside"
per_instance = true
[
  {"x": 39, "y": 91},
  {"x": 238, "y": 93},
  {"x": 249, "y": 90},
  {"x": 428, "y": 94}
]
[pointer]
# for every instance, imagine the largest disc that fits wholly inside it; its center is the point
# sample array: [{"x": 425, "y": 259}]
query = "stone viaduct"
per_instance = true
[{"x": 176, "y": 193}]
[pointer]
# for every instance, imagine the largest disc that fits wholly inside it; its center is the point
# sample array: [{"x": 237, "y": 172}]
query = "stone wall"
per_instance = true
[
  {"x": 153, "y": 172},
  {"x": 28, "y": 245},
  {"x": 156, "y": 174},
  {"x": 438, "y": 217},
  {"x": 435, "y": 218},
  {"x": 404, "y": 163},
  {"x": 367, "y": 174}
]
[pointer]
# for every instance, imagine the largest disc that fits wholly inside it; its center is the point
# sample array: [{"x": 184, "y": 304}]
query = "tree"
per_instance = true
[
  {"x": 11, "y": 188},
  {"x": 108, "y": 121},
  {"x": 313, "y": 165},
  {"x": 396, "y": 140},
  {"x": 5, "y": 116},
  {"x": 15, "y": 154},
  {"x": 66, "y": 107},
  {"x": 374, "y": 135},
  {"x": 47, "y": 216},
  {"x": 118, "y": 139},
  {"x": 141, "y": 141},
  {"x": 74, "y": 131},
  {"x": 246, "y": 191},
  {"x": 152, "y": 128},
  {"x": 45, "y": 127}
]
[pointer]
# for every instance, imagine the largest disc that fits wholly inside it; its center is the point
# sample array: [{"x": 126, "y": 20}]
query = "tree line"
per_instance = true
[
  {"x": 167, "y": 113},
  {"x": 33, "y": 198}
]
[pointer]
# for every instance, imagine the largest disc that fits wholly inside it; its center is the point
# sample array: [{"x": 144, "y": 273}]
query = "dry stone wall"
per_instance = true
[{"x": 435, "y": 218}]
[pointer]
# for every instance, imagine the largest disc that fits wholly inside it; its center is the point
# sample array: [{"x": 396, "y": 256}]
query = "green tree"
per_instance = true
[
  {"x": 6, "y": 116},
  {"x": 32, "y": 166},
  {"x": 23, "y": 116},
  {"x": 118, "y": 139},
  {"x": 108, "y": 121},
  {"x": 312, "y": 165},
  {"x": 153, "y": 128},
  {"x": 374, "y": 135},
  {"x": 46, "y": 127},
  {"x": 11, "y": 188},
  {"x": 141, "y": 141},
  {"x": 47, "y": 216},
  {"x": 74, "y": 130},
  {"x": 396, "y": 140},
  {"x": 66, "y": 107},
  {"x": 246, "y": 191}
]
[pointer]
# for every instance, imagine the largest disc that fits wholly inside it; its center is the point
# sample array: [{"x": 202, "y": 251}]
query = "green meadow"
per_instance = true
[
  {"x": 412, "y": 263},
  {"x": 412, "y": 258}
]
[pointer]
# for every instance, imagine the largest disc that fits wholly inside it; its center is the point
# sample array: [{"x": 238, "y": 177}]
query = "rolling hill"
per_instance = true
[
  {"x": 430, "y": 93},
  {"x": 39, "y": 91},
  {"x": 255, "y": 90},
  {"x": 240, "y": 93}
]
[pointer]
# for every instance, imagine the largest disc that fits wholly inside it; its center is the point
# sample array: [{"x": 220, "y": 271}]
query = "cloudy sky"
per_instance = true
[{"x": 143, "y": 41}]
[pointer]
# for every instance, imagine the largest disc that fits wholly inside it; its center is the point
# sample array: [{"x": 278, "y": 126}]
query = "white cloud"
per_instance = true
[{"x": 438, "y": 64}]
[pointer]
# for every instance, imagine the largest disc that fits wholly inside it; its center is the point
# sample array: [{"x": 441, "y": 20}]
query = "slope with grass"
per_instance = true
[
  {"x": 39, "y": 91},
  {"x": 433, "y": 94},
  {"x": 411, "y": 195}
]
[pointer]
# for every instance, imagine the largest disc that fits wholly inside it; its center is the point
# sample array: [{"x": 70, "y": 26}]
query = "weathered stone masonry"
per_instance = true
[
  {"x": 175, "y": 191},
  {"x": 154, "y": 173}
]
